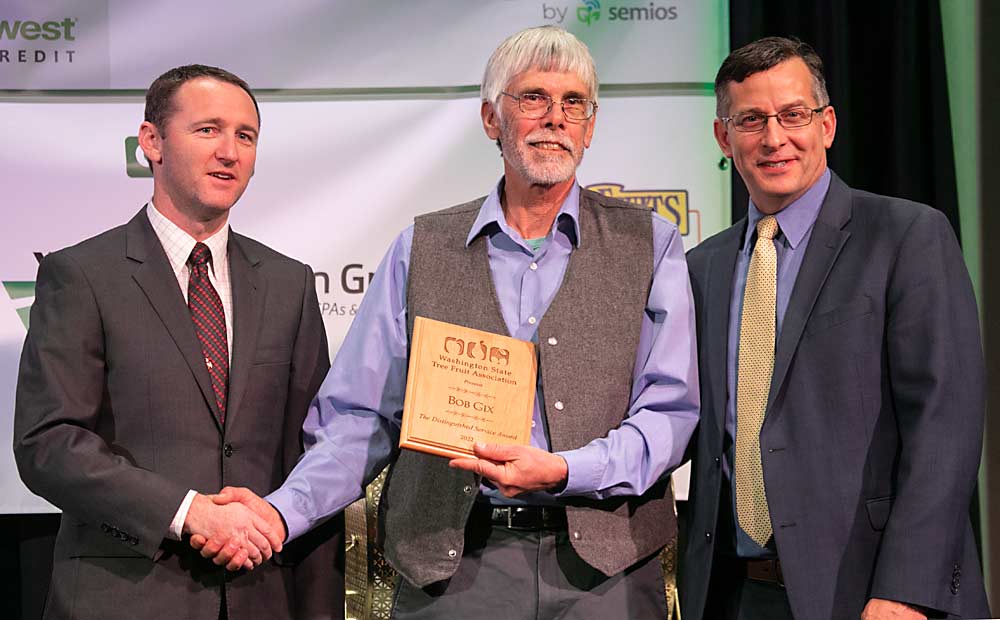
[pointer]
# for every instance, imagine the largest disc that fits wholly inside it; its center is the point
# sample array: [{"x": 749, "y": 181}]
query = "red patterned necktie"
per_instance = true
[{"x": 209, "y": 323}]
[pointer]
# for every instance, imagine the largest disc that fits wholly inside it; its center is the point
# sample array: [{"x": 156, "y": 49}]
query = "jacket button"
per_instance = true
[
  {"x": 576, "y": 536},
  {"x": 452, "y": 553},
  {"x": 708, "y": 535},
  {"x": 228, "y": 450},
  {"x": 553, "y": 341},
  {"x": 718, "y": 461},
  {"x": 467, "y": 489},
  {"x": 558, "y": 405}
]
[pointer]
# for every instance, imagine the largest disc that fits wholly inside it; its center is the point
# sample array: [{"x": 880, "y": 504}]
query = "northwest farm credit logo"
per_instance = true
[
  {"x": 589, "y": 12},
  {"x": 20, "y": 39}
]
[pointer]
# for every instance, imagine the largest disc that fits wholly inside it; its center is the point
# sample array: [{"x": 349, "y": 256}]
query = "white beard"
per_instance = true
[{"x": 538, "y": 166}]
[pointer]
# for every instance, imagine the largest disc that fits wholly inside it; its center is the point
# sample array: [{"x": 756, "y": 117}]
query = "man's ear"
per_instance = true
[
  {"x": 491, "y": 120},
  {"x": 722, "y": 137},
  {"x": 151, "y": 142}
]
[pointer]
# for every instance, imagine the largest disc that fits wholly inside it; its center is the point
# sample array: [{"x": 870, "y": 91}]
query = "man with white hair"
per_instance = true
[{"x": 571, "y": 525}]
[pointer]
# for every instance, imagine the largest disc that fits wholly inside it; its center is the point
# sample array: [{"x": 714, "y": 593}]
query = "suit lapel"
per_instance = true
[
  {"x": 827, "y": 240},
  {"x": 247, "y": 308},
  {"x": 719, "y": 293},
  {"x": 157, "y": 280}
]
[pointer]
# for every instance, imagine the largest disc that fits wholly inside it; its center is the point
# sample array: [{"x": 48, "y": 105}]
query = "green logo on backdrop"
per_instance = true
[
  {"x": 589, "y": 12},
  {"x": 133, "y": 166},
  {"x": 19, "y": 291},
  {"x": 22, "y": 293},
  {"x": 32, "y": 31}
]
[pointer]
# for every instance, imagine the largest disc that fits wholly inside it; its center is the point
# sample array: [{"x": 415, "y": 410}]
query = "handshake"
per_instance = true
[{"x": 235, "y": 527}]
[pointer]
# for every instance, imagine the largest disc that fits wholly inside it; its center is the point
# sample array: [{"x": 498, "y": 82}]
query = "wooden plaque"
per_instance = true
[{"x": 466, "y": 386}]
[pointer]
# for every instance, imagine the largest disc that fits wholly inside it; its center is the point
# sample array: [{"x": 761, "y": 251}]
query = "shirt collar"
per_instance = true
[
  {"x": 491, "y": 214},
  {"x": 177, "y": 243},
  {"x": 797, "y": 218}
]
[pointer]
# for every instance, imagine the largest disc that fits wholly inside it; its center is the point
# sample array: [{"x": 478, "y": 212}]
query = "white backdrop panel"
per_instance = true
[
  {"x": 122, "y": 44},
  {"x": 335, "y": 182}
]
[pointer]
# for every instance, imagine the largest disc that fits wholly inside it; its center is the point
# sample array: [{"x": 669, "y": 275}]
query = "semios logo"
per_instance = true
[{"x": 591, "y": 11}]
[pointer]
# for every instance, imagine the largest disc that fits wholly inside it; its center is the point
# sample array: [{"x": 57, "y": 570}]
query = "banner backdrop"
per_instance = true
[{"x": 338, "y": 174}]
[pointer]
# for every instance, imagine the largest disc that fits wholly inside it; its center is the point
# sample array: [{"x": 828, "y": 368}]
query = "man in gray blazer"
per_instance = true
[
  {"x": 841, "y": 376},
  {"x": 167, "y": 358}
]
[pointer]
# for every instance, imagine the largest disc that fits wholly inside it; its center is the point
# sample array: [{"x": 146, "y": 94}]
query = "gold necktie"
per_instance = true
[{"x": 753, "y": 381}]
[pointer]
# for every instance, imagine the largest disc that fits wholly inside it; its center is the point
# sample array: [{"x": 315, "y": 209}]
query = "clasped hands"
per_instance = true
[
  {"x": 240, "y": 530},
  {"x": 235, "y": 528}
]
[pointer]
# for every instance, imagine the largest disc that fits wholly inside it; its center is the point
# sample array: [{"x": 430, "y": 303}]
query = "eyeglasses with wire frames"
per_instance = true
[
  {"x": 537, "y": 105},
  {"x": 792, "y": 118}
]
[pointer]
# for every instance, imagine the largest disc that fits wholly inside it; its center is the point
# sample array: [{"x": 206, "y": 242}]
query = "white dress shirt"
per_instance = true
[{"x": 178, "y": 245}]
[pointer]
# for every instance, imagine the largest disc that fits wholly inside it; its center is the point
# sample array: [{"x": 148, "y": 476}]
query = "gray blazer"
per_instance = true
[
  {"x": 873, "y": 431},
  {"x": 115, "y": 421}
]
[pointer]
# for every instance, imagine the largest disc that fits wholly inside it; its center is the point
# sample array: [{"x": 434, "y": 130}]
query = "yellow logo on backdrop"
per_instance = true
[{"x": 670, "y": 203}]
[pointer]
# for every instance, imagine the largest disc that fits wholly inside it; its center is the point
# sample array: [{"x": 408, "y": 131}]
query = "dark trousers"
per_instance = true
[
  {"x": 532, "y": 574},
  {"x": 731, "y": 596}
]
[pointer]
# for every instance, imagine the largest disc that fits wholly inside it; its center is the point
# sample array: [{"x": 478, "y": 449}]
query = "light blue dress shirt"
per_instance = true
[
  {"x": 795, "y": 223},
  {"x": 353, "y": 423}
]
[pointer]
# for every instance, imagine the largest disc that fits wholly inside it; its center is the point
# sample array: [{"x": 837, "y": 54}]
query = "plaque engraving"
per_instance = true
[{"x": 466, "y": 386}]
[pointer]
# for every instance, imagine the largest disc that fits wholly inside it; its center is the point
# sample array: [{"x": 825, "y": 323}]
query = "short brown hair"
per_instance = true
[
  {"x": 761, "y": 55},
  {"x": 160, "y": 96}
]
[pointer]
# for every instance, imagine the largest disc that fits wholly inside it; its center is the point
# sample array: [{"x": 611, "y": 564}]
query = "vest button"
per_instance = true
[
  {"x": 708, "y": 535},
  {"x": 228, "y": 450},
  {"x": 558, "y": 405},
  {"x": 452, "y": 553},
  {"x": 576, "y": 536},
  {"x": 553, "y": 341},
  {"x": 467, "y": 489}
]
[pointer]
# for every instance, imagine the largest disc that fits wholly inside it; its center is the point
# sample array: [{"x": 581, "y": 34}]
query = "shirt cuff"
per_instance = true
[
  {"x": 583, "y": 475},
  {"x": 291, "y": 505},
  {"x": 177, "y": 525}
]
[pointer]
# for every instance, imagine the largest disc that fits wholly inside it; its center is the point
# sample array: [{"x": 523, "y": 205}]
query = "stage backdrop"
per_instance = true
[{"x": 370, "y": 115}]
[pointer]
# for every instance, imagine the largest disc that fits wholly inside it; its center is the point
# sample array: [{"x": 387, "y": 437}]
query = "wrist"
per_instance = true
[
  {"x": 196, "y": 508},
  {"x": 563, "y": 472}
]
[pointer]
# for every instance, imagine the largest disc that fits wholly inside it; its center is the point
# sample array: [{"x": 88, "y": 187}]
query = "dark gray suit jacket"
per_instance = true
[
  {"x": 873, "y": 431},
  {"x": 115, "y": 421}
]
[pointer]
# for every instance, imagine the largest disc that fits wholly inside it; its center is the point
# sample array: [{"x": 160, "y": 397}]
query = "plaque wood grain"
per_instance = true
[{"x": 466, "y": 386}]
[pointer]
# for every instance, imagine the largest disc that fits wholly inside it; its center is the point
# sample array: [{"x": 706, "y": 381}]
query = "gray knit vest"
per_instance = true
[{"x": 587, "y": 348}]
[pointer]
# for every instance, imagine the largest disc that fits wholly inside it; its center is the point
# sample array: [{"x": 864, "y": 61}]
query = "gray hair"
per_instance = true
[{"x": 545, "y": 48}]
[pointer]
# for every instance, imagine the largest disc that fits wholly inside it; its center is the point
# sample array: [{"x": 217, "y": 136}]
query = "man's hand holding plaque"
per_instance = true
[
  {"x": 464, "y": 387},
  {"x": 514, "y": 470}
]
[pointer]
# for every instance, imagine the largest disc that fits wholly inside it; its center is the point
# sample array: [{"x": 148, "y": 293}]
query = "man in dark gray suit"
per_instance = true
[
  {"x": 841, "y": 378},
  {"x": 166, "y": 358}
]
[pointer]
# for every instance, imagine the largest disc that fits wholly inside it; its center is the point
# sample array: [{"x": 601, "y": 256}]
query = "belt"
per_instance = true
[
  {"x": 767, "y": 571},
  {"x": 527, "y": 518}
]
